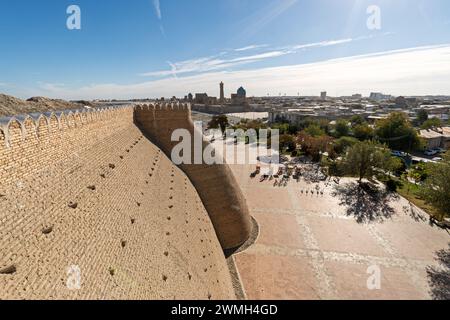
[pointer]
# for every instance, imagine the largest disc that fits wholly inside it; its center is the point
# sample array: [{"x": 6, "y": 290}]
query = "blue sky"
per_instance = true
[{"x": 151, "y": 48}]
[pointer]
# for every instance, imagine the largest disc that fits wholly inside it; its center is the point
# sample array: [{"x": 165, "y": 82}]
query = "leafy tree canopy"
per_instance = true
[
  {"x": 357, "y": 120},
  {"x": 363, "y": 132},
  {"x": 342, "y": 144},
  {"x": 364, "y": 159},
  {"x": 315, "y": 145},
  {"x": 217, "y": 122},
  {"x": 342, "y": 128},
  {"x": 436, "y": 189},
  {"x": 314, "y": 130},
  {"x": 287, "y": 142},
  {"x": 431, "y": 123},
  {"x": 397, "y": 132},
  {"x": 422, "y": 116}
]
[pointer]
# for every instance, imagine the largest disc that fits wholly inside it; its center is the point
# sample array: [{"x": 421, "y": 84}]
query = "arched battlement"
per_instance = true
[
  {"x": 46, "y": 137},
  {"x": 15, "y": 132},
  {"x": 77, "y": 119},
  {"x": 2, "y": 137},
  {"x": 42, "y": 127},
  {"x": 30, "y": 128},
  {"x": 39, "y": 124},
  {"x": 53, "y": 123},
  {"x": 70, "y": 117},
  {"x": 104, "y": 113},
  {"x": 63, "y": 122},
  {"x": 164, "y": 111},
  {"x": 82, "y": 117}
]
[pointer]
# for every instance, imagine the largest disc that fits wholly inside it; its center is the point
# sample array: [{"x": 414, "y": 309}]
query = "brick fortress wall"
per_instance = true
[
  {"x": 216, "y": 184},
  {"x": 88, "y": 190}
]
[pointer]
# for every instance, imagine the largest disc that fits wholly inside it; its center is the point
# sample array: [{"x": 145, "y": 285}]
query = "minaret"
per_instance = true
[{"x": 222, "y": 94}]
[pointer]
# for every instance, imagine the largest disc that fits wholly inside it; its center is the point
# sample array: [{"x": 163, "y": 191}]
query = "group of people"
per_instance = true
[
  {"x": 283, "y": 182},
  {"x": 313, "y": 192}
]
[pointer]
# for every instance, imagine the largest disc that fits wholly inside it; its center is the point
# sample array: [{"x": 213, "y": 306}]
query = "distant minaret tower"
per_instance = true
[{"x": 222, "y": 94}]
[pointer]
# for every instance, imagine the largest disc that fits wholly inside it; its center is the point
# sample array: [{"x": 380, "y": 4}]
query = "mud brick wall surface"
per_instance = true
[
  {"x": 216, "y": 184},
  {"x": 89, "y": 190}
]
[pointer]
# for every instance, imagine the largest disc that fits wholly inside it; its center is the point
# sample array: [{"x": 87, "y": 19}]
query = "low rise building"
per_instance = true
[{"x": 436, "y": 138}]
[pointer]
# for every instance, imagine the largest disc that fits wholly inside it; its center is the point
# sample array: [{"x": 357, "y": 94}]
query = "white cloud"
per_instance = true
[
  {"x": 323, "y": 43},
  {"x": 227, "y": 60},
  {"x": 208, "y": 64},
  {"x": 157, "y": 6},
  {"x": 261, "y": 56},
  {"x": 414, "y": 71},
  {"x": 251, "y": 47},
  {"x": 204, "y": 64}
]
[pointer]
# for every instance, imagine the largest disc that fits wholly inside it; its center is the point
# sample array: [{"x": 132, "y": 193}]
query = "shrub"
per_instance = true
[{"x": 392, "y": 185}]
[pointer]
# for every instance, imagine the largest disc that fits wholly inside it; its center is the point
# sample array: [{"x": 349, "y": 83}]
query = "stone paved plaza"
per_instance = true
[{"x": 321, "y": 247}]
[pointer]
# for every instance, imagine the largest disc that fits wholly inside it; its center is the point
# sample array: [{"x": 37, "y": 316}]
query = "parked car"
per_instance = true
[
  {"x": 440, "y": 150},
  {"x": 437, "y": 159},
  {"x": 430, "y": 152},
  {"x": 398, "y": 153}
]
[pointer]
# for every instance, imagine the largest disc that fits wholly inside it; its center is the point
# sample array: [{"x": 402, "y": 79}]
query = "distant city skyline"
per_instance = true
[{"x": 268, "y": 47}]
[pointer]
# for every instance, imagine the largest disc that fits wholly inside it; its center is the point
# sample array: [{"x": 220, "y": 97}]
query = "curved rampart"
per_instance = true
[
  {"x": 215, "y": 184},
  {"x": 91, "y": 209}
]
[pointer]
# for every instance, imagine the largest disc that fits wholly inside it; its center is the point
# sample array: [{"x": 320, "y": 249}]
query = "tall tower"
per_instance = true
[{"x": 222, "y": 94}]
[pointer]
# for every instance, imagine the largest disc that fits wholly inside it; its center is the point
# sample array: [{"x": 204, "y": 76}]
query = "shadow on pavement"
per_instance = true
[
  {"x": 415, "y": 213},
  {"x": 365, "y": 201},
  {"x": 439, "y": 276}
]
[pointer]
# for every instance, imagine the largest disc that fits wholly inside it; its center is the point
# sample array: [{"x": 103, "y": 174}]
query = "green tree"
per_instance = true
[
  {"x": 419, "y": 172},
  {"x": 314, "y": 130},
  {"x": 395, "y": 165},
  {"x": 431, "y": 123},
  {"x": 282, "y": 127},
  {"x": 357, "y": 120},
  {"x": 436, "y": 189},
  {"x": 422, "y": 116},
  {"x": 314, "y": 145},
  {"x": 285, "y": 128},
  {"x": 293, "y": 129},
  {"x": 341, "y": 129},
  {"x": 287, "y": 142},
  {"x": 363, "y": 132},
  {"x": 217, "y": 122},
  {"x": 364, "y": 159},
  {"x": 324, "y": 124},
  {"x": 342, "y": 144},
  {"x": 397, "y": 132}
]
